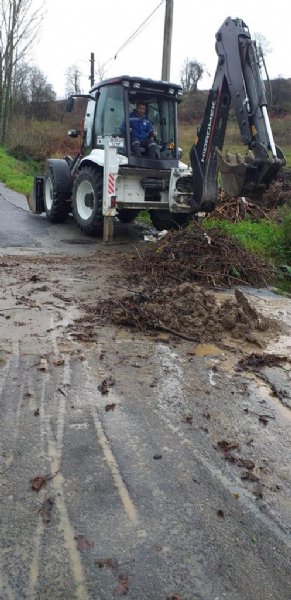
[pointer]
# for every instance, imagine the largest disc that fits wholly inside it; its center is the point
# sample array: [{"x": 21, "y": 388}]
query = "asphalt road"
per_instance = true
[
  {"x": 116, "y": 478},
  {"x": 20, "y": 229}
]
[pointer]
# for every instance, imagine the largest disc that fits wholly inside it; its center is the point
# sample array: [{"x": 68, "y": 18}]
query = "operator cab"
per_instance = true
[{"x": 108, "y": 110}]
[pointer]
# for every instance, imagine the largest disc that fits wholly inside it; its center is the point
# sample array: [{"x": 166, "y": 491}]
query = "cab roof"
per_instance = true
[{"x": 140, "y": 83}]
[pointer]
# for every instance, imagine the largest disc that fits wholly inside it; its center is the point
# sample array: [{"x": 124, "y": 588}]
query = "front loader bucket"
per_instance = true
[{"x": 247, "y": 175}]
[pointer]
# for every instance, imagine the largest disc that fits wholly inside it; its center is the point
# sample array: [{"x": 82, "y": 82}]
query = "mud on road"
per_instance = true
[{"x": 136, "y": 462}]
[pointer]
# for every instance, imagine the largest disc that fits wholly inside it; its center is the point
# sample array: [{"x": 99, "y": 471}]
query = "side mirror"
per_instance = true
[
  {"x": 70, "y": 104},
  {"x": 74, "y": 133}
]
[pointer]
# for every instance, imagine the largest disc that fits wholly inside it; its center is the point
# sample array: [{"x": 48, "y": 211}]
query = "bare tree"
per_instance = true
[
  {"x": 100, "y": 72},
  {"x": 190, "y": 74},
  {"x": 262, "y": 43},
  {"x": 19, "y": 27},
  {"x": 32, "y": 93},
  {"x": 73, "y": 80}
]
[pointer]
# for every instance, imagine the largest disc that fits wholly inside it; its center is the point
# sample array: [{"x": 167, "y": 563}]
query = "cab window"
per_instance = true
[{"x": 110, "y": 112}]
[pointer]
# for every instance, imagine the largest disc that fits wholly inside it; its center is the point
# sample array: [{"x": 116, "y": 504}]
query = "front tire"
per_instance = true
[
  {"x": 164, "y": 219},
  {"x": 87, "y": 200},
  {"x": 55, "y": 204}
]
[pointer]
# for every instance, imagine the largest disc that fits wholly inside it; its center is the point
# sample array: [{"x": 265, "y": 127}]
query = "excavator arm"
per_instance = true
[{"x": 238, "y": 82}]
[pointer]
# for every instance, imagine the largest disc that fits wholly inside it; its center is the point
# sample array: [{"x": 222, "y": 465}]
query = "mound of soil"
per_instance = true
[
  {"x": 169, "y": 298},
  {"x": 187, "y": 311}
]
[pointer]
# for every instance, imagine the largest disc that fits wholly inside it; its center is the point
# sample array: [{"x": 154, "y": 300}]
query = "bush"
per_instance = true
[{"x": 39, "y": 140}]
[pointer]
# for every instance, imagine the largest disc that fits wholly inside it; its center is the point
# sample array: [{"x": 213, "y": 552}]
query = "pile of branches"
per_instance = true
[
  {"x": 210, "y": 258},
  {"x": 236, "y": 209}
]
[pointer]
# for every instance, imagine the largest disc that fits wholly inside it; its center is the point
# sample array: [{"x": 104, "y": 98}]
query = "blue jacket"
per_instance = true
[{"x": 140, "y": 127}]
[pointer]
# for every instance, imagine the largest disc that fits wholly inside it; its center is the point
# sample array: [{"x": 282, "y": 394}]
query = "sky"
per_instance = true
[{"x": 71, "y": 31}]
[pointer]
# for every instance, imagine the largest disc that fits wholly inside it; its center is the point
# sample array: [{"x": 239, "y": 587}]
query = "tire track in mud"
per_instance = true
[
  {"x": 19, "y": 373},
  {"x": 54, "y": 444},
  {"x": 112, "y": 463}
]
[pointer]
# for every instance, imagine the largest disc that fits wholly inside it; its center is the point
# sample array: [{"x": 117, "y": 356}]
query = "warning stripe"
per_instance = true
[{"x": 111, "y": 184}]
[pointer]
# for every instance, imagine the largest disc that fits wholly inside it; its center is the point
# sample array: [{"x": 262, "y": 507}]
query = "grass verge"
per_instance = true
[{"x": 16, "y": 175}]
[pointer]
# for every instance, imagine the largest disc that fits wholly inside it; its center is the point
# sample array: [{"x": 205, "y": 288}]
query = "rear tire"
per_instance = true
[
  {"x": 55, "y": 204},
  {"x": 127, "y": 215},
  {"x": 87, "y": 200},
  {"x": 164, "y": 219}
]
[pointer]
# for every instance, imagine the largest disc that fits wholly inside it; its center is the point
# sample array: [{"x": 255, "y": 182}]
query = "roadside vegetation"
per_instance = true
[
  {"x": 268, "y": 239},
  {"x": 17, "y": 175}
]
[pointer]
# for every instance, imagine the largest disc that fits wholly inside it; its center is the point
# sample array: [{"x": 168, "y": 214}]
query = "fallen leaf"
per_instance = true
[
  {"x": 227, "y": 446},
  {"x": 82, "y": 543},
  {"x": 187, "y": 419},
  {"x": 105, "y": 385},
  {"x": 249, "y": 476},
  {"x": 37, "y": 482},
  {"x": 109, "y": 407},
  {"x": 107, "y": 563},
  {"x": 123, "y": 585},
  {"x": 247, "y": 463}
]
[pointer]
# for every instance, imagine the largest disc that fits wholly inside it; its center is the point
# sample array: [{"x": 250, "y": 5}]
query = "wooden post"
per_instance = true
[
  {"x": 108, "y": 229},
  {"x": 92, "y": 69},
  {"x": 168, "y": 26}
]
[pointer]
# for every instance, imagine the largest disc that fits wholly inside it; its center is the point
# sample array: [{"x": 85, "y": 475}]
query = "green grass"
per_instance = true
[
  {"x": 261, "y": 237},
  {"x": 267, "y": 239},
  {"x": 16, "y": 175}
]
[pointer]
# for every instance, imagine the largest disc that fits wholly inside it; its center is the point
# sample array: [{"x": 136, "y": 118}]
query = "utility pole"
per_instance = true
[
  {"x": 92, "y": 69},
  {"x": 168, "y": 26}
]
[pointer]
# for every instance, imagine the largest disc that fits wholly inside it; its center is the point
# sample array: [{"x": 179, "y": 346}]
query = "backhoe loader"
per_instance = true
[{"x": 106, "y": 179}]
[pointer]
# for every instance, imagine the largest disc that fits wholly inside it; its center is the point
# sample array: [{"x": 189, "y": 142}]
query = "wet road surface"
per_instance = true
[{"x": 162, "y": 471}]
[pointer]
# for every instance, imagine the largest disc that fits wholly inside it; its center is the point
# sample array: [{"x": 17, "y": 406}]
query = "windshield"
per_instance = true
[{"x": 110, "y": 111}]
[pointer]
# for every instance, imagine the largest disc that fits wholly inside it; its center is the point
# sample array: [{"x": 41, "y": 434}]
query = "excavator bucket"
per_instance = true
[{"x": 248, "y": 175}]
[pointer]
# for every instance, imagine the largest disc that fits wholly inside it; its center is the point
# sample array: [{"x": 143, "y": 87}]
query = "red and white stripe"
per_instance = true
[{"x": 111, "y": 184}]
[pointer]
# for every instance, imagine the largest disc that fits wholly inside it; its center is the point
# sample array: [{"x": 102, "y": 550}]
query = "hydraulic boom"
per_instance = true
[{"x": 238, "y": 81}]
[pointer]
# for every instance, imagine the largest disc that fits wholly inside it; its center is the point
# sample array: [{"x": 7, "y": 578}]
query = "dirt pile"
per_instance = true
[
  {"x": 167, "y": 294},
  {"x": 187, "y": 311}
]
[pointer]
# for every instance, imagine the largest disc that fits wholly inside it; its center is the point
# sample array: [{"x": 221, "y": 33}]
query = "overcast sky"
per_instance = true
[{"x": 72, "y": 30}]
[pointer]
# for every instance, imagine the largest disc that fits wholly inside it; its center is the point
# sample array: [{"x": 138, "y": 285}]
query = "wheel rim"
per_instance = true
[
  {"x": 85, "y": 200},
  {"x": 49, "y": 193}
]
